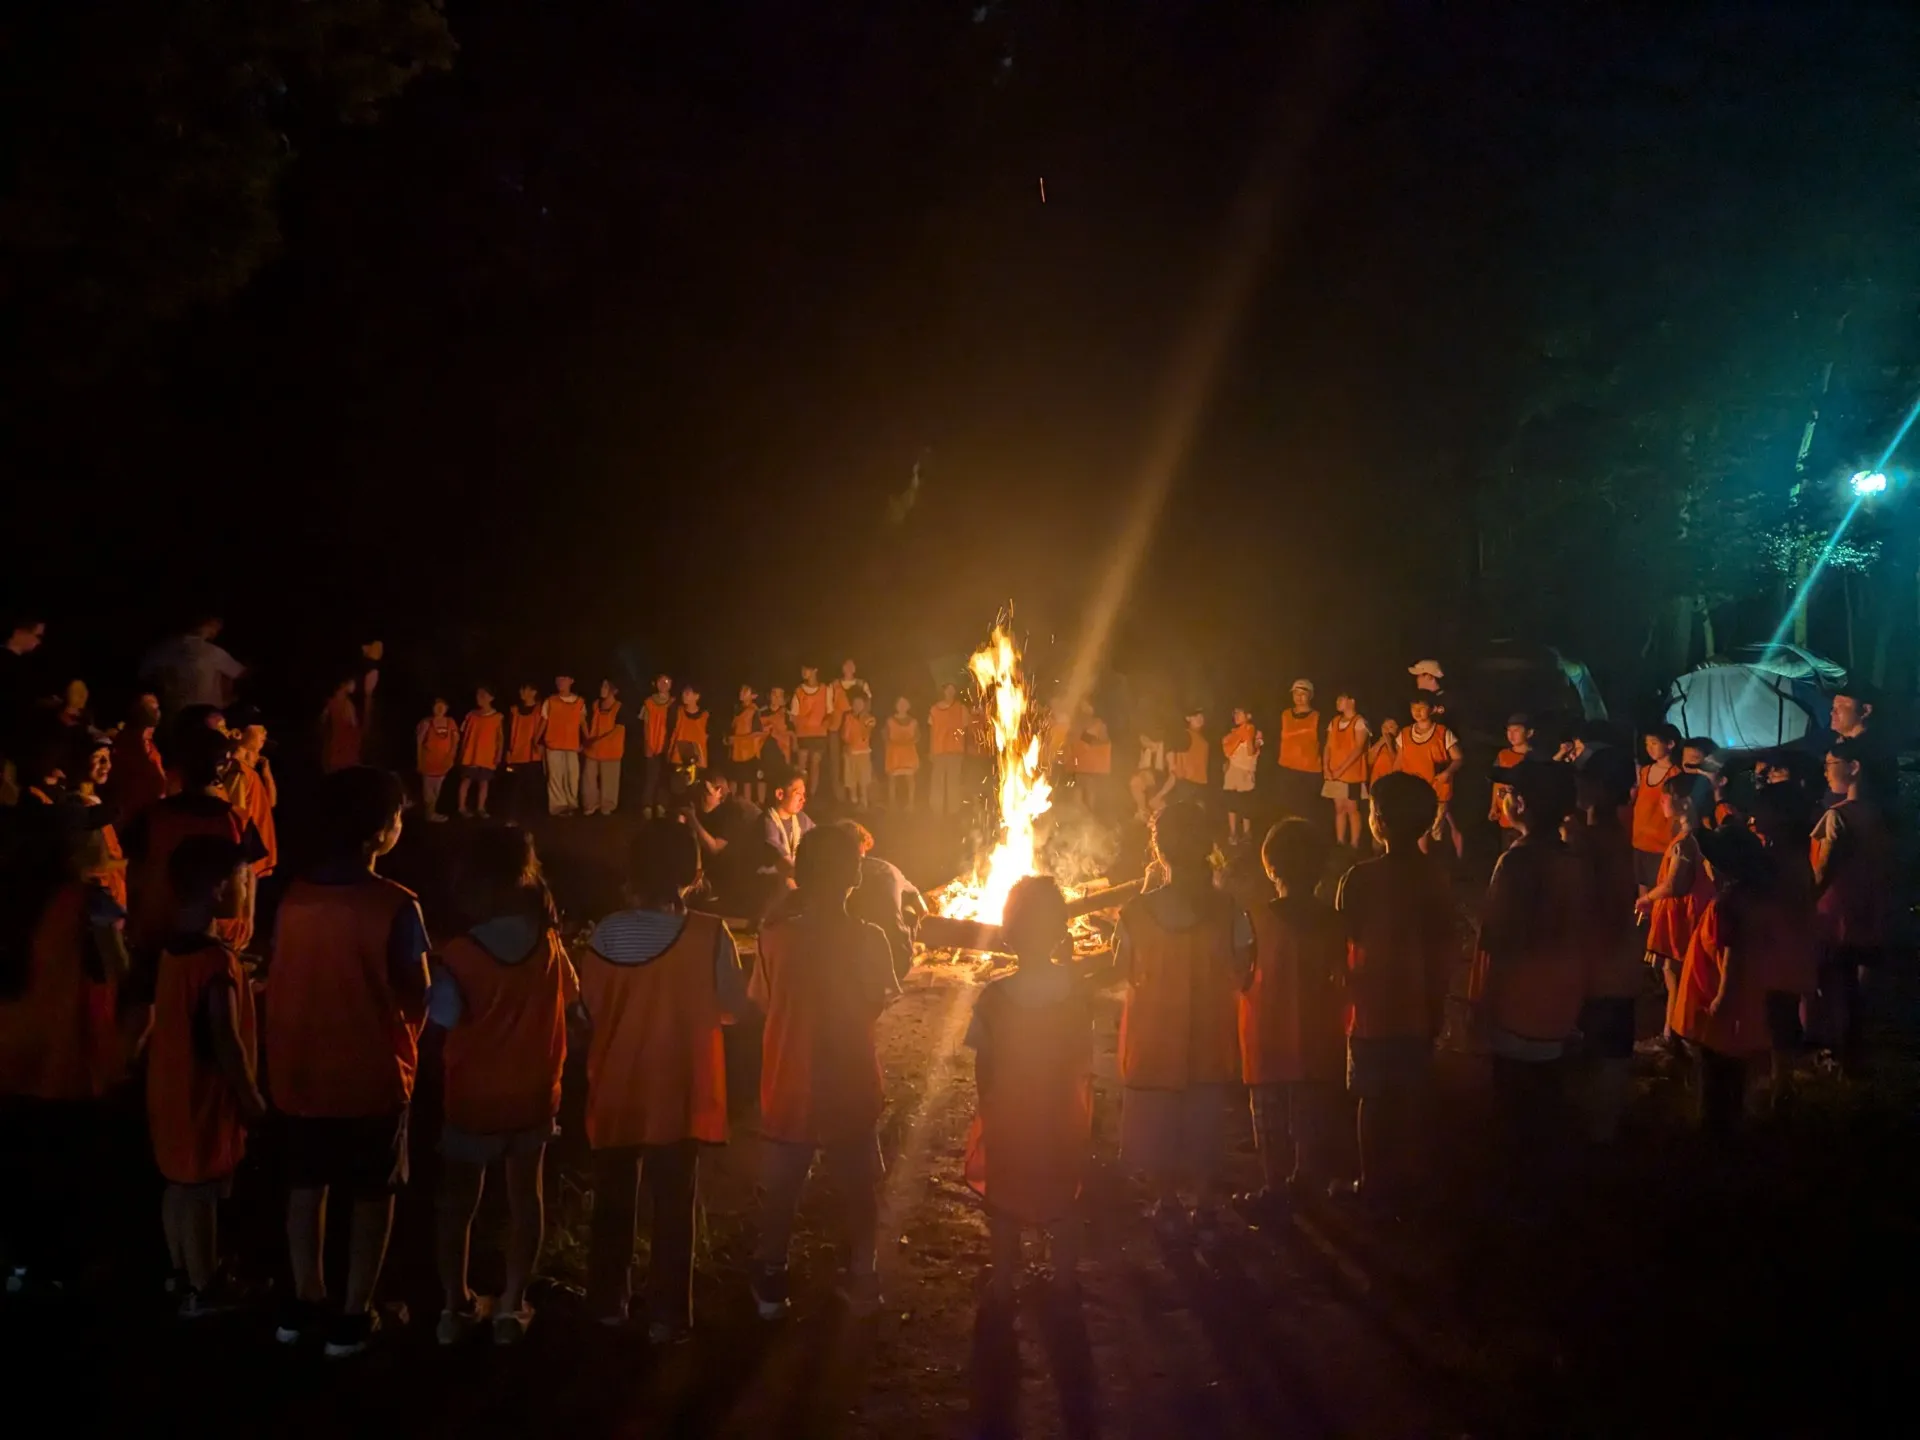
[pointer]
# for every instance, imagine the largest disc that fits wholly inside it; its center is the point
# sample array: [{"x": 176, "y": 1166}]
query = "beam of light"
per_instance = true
[{"x": 1291, "y": 127}]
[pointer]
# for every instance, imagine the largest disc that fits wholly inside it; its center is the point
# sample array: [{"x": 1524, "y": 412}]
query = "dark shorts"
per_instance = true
[
  {"x": 482, "y": 774},
  {"x": 1646, "y": 868},
  {"x": 1388, "y": 1065},
  {"x": 365, "y": 1155},
  {"x": 811, "y": 744},
  {"x": 220, "y": 1188},
  {"x": 1606, "y": 1026},
  {"x": 1783, "y": 1020}
]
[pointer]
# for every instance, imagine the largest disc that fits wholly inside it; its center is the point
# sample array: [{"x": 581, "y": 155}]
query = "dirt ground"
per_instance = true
[{"x": 1765, "y": 1286}]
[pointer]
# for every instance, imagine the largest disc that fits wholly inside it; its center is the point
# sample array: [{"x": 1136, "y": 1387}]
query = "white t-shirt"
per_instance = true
[{"x": 192, "y": 670}]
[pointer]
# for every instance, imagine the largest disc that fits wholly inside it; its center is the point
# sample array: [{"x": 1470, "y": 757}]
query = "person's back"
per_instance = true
[
  {"x": 1290, "y": 1013},
  {"x": 504, "y": 1056},
  {"x": 1180, "y": 1024},
  {"x": 1399, "y": 922},
  {"x": 1604, "y": 849},
  {"x": 1531, "y": 966},
  {"x": 823, "y": 979},
  {"x": 343, "y": 1020},
  {"x": 1852, "y": 904},
  {"x": 887, "y": 899},
  {"x": 1028, "y": 1146}
]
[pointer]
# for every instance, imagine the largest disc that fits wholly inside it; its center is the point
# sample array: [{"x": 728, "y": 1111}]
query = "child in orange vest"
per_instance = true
[
  {"x": 602, "y": 750},
  {"x": 346, "y": 997},
  {"x": 856, "y": 749},
  {"x": 343, "y": 726},
  {"x": 745, "y": 740},
  {"x": 810, "y": 717},
  {"x": 1241, "y": 747},
  {"x": 1518, "y": 747},
  {"x": 1185, "y": 951},
  {"x": 501, "y": 993},
  {"x": 1344, "y": 763},
  {"x": 1398, "y": 915},
  {"x": 483, "y": 746},
  {"x": 139, "y": 777},
  {"x": 563, "y": 726},
  {"x": 1530, "y": 967},
  {"x": 1682, "y": 888},
  {"x": 1032, "y": 1132},
  {"x": 1292, "y": 1051},
  {"x": 1653, "y": 827},
  {"x": 657, "y": 713},
  {"x": 1719, "y": 1003},
  {"x": 778, "y": 726},
  {"x": 822, "y": 980},
  {"x": 1301, "y": 771},
  {"x": 947, "y": 739},
  {"x": 657, "y": 985},
  {"x": 903, "y": 755},
  {"x": 1430, "y": 750},
  {"x": 1851, "y": 855},
  {"x": 256, "y": 793},
  {"x": 201, "y": 1092},
  {"x": 525, "y": 760},
  {"x": 436, "y": 746},
  {"x": 1186, "y": 782}
]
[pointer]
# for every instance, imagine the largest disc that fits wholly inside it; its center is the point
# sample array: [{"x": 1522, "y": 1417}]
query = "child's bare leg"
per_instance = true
[
  {"x": 913, "y": 791},
  {"x": 526, "y": 1202},
  {"x": 1137, "y": 787},
  {"x": 1003, "y": 1234},
  {"x": 483, "y": 788},
  {"x": 199, "y": 1239},
  {"x": 1459, "y": 839},
  {"x": 460, "y": 1188},
  {"x": 306, "y": 1225},
  {"x": 460, "y": 801},
  {"x": 367, "y": 1252}
]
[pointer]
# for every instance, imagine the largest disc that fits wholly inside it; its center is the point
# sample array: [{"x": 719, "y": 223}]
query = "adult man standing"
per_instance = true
[
  {"x": 1851, "y": 718},
  {"x": 947, "y": 741},
  {"x": 190, "y": 669}
]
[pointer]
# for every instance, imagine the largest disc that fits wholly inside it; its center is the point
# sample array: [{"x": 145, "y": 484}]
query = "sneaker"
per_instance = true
[
  {"x": 199, "y": 1304},
  {"x": 483, "y": 814},
  {"x": 510, "y": 1326},
  {"x": 436, "y": 818},
  {"x": 297, "y": 1321},
  {"x": 769, "y": 1287},
  {"x": 458, "y": 1325},
  {"x": 351, "y": 1334},
  {"x": 861, "y": 1295},
  {"x": 614, "y": 1319},
  {"x": 177, "y": 1283},
  {"x": 17, "y": 1280},
  {"x": 668, "y": 1332}
]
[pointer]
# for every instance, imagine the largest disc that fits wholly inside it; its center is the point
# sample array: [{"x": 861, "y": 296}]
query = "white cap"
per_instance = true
[
  {"x": 1427, "y": 667},
  {"x": 1306, "y": 685}
]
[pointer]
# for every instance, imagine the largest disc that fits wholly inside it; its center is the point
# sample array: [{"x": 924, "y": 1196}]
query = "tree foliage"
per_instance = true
[{"x": 144, "y": 141}]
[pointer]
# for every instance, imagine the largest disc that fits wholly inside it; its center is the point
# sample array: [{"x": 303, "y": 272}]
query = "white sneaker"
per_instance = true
[
  {"x": 458, "y": 1325},
  {"x": 861, "y": 1295}
]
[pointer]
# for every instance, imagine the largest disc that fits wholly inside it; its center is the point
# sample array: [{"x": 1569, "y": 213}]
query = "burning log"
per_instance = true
[{"x": 949, "y": 932}]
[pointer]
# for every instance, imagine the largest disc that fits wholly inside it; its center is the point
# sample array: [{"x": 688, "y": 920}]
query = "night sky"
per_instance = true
[{"x": 616, "y": 339}]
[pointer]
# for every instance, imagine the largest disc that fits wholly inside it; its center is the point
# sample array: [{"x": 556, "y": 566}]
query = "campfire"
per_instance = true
[{"x": 967, "y": 911}]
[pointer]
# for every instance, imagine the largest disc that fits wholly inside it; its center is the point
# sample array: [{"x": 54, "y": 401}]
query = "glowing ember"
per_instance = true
[{"x": 1022, "y": 790}]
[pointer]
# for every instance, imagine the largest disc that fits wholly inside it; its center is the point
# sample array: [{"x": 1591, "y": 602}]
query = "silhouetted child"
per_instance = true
[
  {"x": 822, "y": 979},
  {"x": 1682, "y": 888},
  {"x": 1032, "y": 1132},
  {"x": 1788, "y": 959},
  {"x": 201, "y": 1092},
  {"x": 1851, "y": 856},
  {"x": 1292, "y": 1051},
  {"x": 1653, "y": 827},
  {"x": 346, "y": 997},
  {"x": 1719, "y": 1004},
  {"x": 1398, "y": 915},
  {"x": 436, "y": 747},
  {"x": 1617, "y": 972},
  {"x": 501, "y": 993}
]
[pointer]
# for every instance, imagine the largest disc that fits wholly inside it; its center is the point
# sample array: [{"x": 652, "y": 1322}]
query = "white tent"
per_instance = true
[{"x": 1765, "y": 698}]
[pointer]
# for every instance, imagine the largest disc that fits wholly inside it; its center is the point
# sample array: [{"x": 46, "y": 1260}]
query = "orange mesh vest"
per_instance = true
[
  {"x": 1740, "y": 1027},
  {"x": 1427, "y": 758},
  {"x": 1652, "y": 830},
  {"x": 1028, "y": 1145},
  {"x": 566, "y": 716},
  {"x": 503, "y": 1060},
  {"x": 903, "y": 745},
  {"x": 1189, "y": 764},
  {"x": 947, "y": 728},
  {"x": 1670, "y": 926},
  {"x": 856, "y": 733},
  {"x": 47, "y": 1034},
  {"x": 606, "y": 736},
  {"x": 1300, "y": 741},
  {"x": 1346, "y": 750},
  {"x": 139, "y": 778},
  {"x": 152, "y": 893},
  {"x": 656, "y": 1065},
  {"x": 810, "y": 712},
  {"x": 339, "y": 734},
  {"x": 745, "y": 739},
  {"x": 437, "y": 747},
  {"x": 522, "y": 726},
  {"x": 1536, "y": 992},
  {"x": 257, "y": 808},
  {"x": 480, "y": 739},
  {"x": 192, "y": 1112},
  {"x": 775, "y": 723},
  {"x": 339, "y": 1042},
  {"x": 820, "y": 1078},
  {"x": 1291, "y": 1015},
  {"x": 657, "y": 716},
  {"x": 689, "y": 740},
  {"x": 1180, "y": 1022}
]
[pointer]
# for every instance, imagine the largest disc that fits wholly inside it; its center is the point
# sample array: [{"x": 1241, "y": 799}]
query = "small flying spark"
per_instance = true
[{"x": 1043, "y": 189}]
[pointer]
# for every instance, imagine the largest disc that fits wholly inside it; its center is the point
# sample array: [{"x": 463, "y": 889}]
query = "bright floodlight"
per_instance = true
[{"x": 1869, "y": 482}]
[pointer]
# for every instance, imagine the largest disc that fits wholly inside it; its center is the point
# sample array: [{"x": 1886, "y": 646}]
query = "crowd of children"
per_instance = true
[{"x": 132, "y": 960}]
